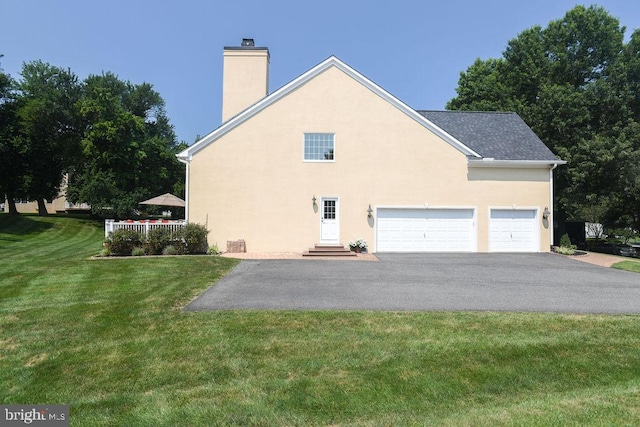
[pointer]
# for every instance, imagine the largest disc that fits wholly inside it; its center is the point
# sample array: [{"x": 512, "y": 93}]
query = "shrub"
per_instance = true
[
  {"x": 137, "y": 251},
  {"x": 122, "y": 241},
  {"x": 563, "y": 250},
  {"x": 566, "y": 247},
  {"x": 565, "y": 241},
  {"x": 105, "y": 252},
  {"x": 193, "y": 239},
  {"x": 157, "y": 240},
  {"x": 170, "y": 250},
  {"x": 213, "y": 250}
]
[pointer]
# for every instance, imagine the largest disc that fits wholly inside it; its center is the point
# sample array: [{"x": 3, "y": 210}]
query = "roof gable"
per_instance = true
[
  {"x": 332, "y": 61},
  {"x": 486, "y": 138}
]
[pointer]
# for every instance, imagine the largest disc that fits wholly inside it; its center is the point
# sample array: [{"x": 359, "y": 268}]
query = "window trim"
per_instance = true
[{"x": 304, "y": 137}]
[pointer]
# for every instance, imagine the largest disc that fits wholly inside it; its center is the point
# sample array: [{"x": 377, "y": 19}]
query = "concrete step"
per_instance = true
[
  {"x": 319, "y": 248},
  {"x": 328, "y": 250},
  {"x": 329, "y": 253}
]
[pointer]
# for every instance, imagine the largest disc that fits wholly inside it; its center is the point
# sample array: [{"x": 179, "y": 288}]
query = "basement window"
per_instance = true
[{"x": 319, "y": 147}]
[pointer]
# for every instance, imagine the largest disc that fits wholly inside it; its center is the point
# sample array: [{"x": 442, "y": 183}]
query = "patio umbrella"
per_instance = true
[{"x": 166, "y": 199}]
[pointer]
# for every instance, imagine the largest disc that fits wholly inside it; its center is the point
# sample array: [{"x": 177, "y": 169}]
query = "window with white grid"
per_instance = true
[{"x": 319, "y": 147}]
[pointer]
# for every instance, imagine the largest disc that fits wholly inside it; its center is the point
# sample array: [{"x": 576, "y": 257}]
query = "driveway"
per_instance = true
[{"x": 426, "y": 282}]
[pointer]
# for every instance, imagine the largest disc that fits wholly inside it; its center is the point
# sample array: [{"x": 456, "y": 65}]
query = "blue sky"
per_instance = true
[{"x": 414, "y": 49}]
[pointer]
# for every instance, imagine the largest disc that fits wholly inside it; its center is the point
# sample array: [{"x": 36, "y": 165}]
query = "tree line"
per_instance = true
[
  {"x": 576, "y": 82},
  {"x": 112, "y": 139}
]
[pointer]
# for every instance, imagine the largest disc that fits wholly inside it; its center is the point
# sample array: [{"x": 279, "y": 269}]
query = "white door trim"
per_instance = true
[{"x": 330, "y": 227}]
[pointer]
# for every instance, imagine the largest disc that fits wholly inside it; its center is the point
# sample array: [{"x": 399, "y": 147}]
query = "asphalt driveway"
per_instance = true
[{"x": 425, "y": 282}]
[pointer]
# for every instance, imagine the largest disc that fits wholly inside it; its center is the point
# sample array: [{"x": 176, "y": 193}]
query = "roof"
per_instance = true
[
  {"x": 496, "y": 139},
  {"x": 500, "y": 136}
]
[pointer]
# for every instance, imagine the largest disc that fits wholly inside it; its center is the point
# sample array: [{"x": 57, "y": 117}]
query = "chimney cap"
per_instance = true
[{"x": 247, "y": 44}]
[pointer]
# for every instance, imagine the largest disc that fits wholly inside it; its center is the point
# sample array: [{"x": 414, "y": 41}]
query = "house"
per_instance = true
[
  {"x": 331, "y": 157},
  {"x": 31, "y": 206},
  {"x": 58, "y": 205}
]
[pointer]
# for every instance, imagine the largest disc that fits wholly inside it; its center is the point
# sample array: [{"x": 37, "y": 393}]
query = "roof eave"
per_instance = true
[{"x": 527, "y": 164}]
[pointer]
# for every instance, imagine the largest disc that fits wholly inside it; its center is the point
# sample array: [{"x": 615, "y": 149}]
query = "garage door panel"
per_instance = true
[
  {"x": 512, "y": 230},
  {"x": 425, "y": 230}
]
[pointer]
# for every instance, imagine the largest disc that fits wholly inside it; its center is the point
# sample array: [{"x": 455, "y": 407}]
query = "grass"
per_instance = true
[
  {"x": 628, "y": 266},
  {"x": 108, "y": 338}
]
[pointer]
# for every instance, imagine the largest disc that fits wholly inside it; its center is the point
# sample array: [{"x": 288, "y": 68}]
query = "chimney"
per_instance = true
[{"x": 245, "y": 77}]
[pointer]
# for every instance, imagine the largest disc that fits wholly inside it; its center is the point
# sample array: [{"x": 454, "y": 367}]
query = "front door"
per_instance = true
[{"x": 329, "y": 227}]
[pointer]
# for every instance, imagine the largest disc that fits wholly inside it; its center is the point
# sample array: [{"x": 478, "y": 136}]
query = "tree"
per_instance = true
[
  {"x": 128, "y": 147},
  {"x": 13, "y": 167},
  {"x": 525, "y": 56},
  {"x": 577, "y": 85},
  {"x": 481, "y": 88},
  {"x": 581, "y": 46},
  {"x": 48, "y": 132}
]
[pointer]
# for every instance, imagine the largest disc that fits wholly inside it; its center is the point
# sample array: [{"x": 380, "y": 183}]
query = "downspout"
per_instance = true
[
  {"x": 186, "y": 189},
  {"x": 551, "y": 222}
]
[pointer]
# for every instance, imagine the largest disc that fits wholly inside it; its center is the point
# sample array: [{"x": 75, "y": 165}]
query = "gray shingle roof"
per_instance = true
[{"x": 502, "y": 136}]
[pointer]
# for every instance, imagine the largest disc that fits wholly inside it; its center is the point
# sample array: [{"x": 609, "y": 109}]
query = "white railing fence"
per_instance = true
[{"x": 142, "y": 226}]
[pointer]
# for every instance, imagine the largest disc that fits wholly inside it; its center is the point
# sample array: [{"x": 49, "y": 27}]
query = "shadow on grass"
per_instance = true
[{"x": 21, "y": 225}]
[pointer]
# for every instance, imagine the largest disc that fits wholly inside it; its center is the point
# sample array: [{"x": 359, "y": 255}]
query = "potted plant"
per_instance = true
[{"x": 358, "y": 246}]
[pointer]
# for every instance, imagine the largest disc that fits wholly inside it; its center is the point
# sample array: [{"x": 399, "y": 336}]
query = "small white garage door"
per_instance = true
[
  {"x": 425, "y": 230},
  {"x": 512, "y": 230}
]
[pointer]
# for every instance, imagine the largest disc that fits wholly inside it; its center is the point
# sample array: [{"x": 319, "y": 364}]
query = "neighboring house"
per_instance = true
[
  {"x": 332, "y": 157},
  {"x": 57, "y": 205},
  {"x": 31, "y": 206}
]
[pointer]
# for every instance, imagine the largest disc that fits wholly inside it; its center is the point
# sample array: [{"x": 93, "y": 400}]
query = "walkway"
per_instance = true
[{"x": 603, "y": 260}]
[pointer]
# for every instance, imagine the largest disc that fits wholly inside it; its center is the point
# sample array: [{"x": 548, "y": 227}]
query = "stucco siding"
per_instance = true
[{"x": 253, "y": 183}]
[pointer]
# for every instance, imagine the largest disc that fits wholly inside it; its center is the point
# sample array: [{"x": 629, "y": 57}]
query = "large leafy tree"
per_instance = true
[
  {"x": 576, "y": 83},
  {"x": 128, "y": 147},
  {"x": 48, "y": 133},
  {"x": 13, "y": 161}
]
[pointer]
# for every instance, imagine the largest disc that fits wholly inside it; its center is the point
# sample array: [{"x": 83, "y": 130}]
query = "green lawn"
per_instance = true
[
  {"x": 628, "y": 265},
  {"x": 108, "y": 338}
]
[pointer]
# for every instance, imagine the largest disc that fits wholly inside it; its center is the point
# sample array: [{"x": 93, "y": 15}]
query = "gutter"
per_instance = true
[
  {"x": 488, "y": 162},
  {"x": 551, "y": 218},
  {"x": 186, "y": 189}
]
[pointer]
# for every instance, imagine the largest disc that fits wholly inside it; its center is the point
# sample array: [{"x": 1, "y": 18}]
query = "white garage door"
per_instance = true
[
  {"x": 425, "y": 230},
  {"x": 512, "y": 231}
]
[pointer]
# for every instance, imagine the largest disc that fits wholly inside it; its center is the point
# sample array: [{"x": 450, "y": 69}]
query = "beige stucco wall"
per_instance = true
[
  {"x": 253, "y": 183},
  {"x": 245, "y": 79}
]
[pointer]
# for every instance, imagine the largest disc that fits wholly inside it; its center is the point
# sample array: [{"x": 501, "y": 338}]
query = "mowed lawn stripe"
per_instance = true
[{"x": 109, "y": 338}]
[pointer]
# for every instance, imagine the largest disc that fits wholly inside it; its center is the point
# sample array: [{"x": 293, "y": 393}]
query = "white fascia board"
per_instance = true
[
  {"x": 240, "y": 118},
  {"x": 531, "y": 164}
]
